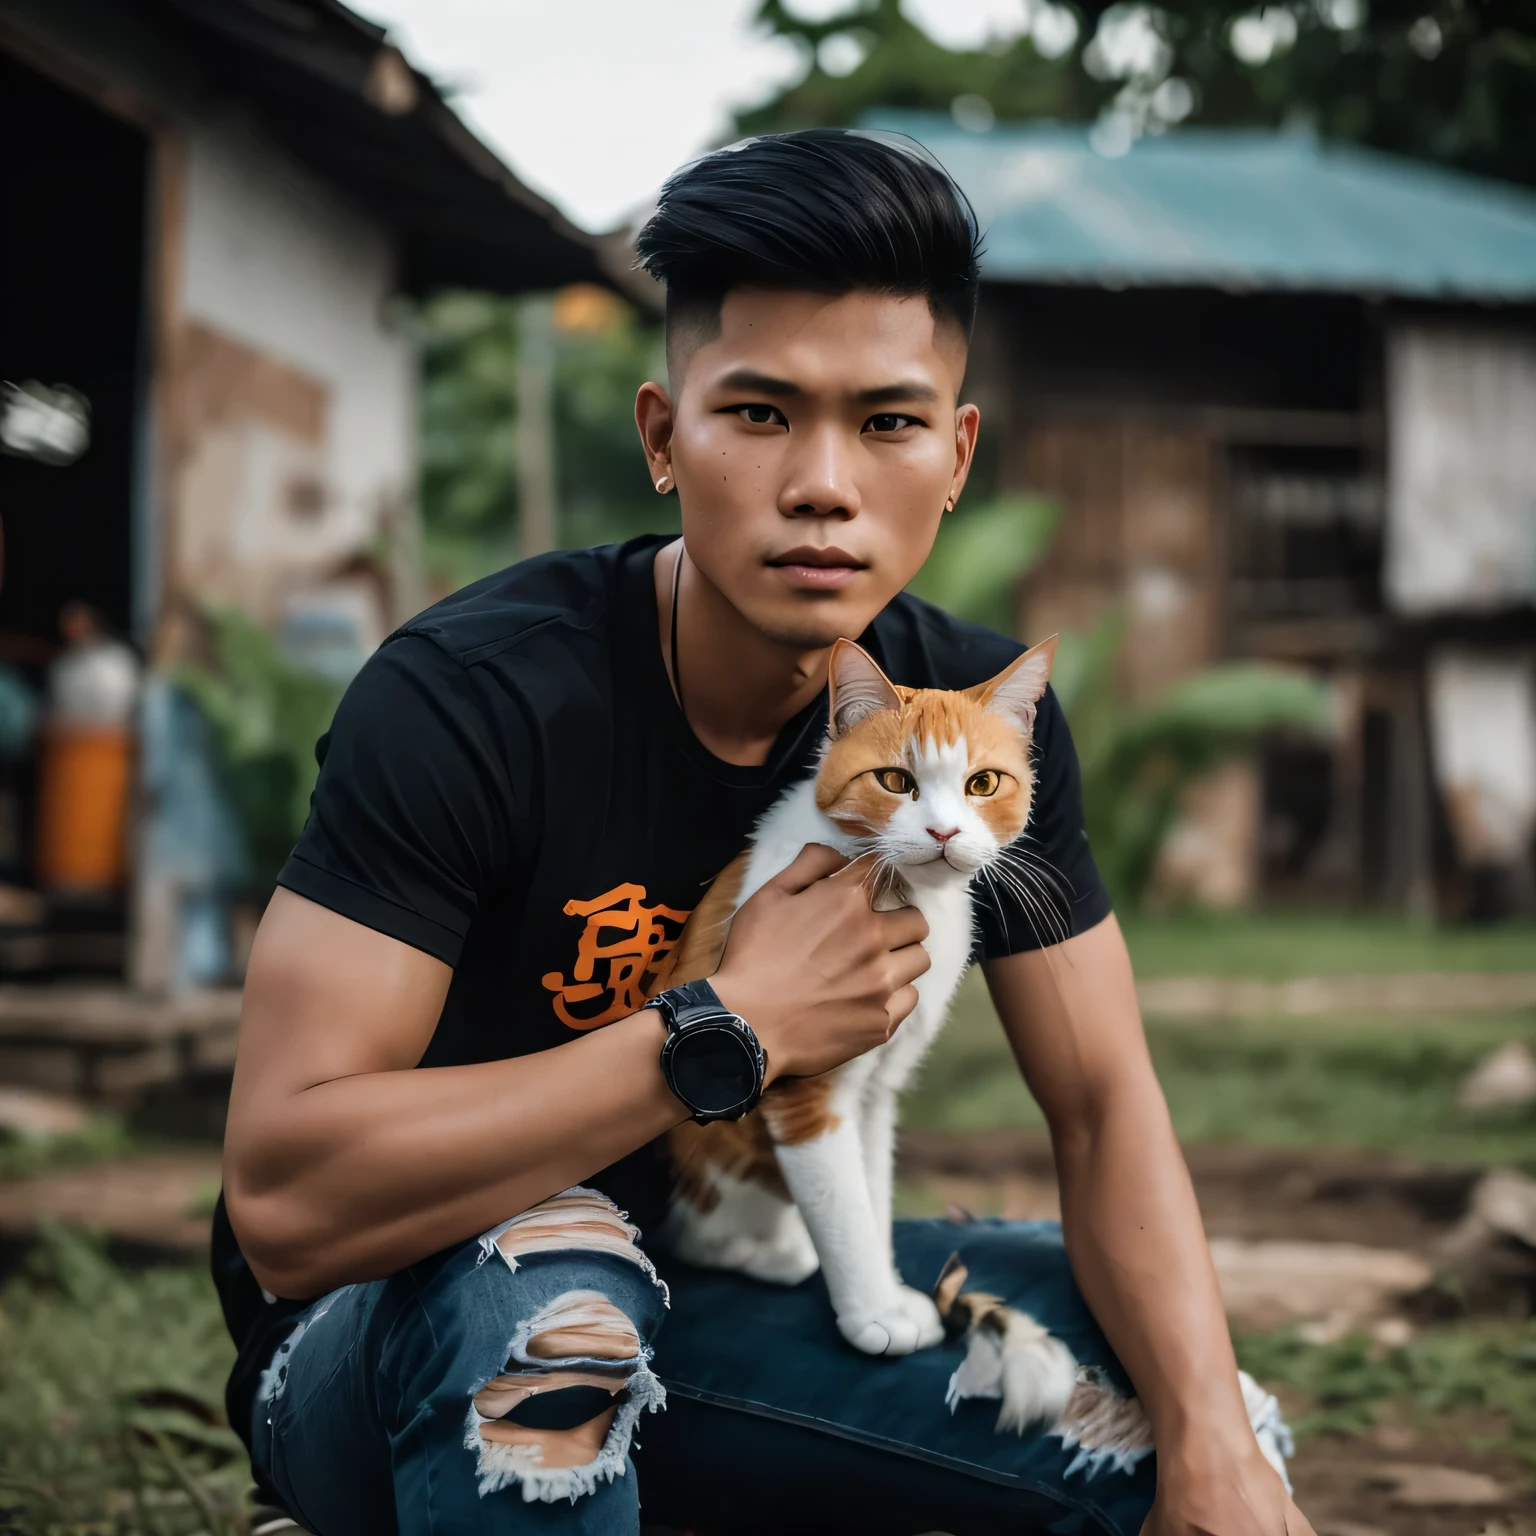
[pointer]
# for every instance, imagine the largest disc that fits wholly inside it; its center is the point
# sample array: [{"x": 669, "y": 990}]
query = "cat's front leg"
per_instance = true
[
  {"x": 877, "y": 1137},
  {"x": 875, "y": 1312}
]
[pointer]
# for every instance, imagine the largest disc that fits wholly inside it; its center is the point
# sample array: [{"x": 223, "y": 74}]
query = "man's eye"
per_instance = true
[
  {"x": 888, "y": 421},
  {"x": 762, "y": 415}
]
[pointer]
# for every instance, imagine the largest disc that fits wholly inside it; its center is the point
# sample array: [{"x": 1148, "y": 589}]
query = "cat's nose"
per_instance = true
[{"x": 942, "y": 837}]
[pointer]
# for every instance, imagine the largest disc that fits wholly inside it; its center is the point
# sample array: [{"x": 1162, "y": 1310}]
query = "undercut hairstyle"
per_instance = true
[{"x": 824, "y": 210}]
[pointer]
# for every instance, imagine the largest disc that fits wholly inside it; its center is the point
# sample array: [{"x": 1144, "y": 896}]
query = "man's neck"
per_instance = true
[{"x": 738, "y": 687}]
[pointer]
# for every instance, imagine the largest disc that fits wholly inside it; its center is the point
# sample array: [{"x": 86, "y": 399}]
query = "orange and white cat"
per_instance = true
[{"x": 937, "y": 785}]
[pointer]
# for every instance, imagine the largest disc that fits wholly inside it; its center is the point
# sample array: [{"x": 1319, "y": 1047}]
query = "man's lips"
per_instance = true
[{"x": 814, "y": 569}]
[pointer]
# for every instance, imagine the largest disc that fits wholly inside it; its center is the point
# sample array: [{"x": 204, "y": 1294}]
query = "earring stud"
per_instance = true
[{"x": 663, "y": 484}]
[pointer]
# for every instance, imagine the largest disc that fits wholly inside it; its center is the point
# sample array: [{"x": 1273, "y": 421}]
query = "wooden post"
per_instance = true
[{"x": 536, "y": 494}]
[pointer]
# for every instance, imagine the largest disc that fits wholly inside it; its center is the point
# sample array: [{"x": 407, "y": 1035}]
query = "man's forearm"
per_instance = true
[
  {"x": 356, "y": 1177},
  {"x": 1138, "y": 1250}
]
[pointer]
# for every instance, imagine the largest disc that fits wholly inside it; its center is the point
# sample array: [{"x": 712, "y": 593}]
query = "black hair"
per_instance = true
[{"x": 830, "y": 210}]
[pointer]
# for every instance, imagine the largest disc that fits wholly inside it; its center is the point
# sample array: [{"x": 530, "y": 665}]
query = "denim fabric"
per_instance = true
[{"x": 364, "y": 1421}]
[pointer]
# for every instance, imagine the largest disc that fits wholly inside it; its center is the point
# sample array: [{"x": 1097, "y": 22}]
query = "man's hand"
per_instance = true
[
  {"x": 1243, "y": 1498},
  {"x": 821, "y": 977}
]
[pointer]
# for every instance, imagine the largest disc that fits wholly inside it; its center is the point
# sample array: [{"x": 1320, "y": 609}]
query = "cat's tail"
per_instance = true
[{"x": 1007, "y": 1354}]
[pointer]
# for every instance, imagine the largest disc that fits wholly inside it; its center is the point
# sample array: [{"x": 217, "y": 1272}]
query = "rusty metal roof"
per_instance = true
[{"x": 1234, "y": 209}]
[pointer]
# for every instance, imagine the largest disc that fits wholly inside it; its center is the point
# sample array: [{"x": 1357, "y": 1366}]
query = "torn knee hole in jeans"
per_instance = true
[
  {"x": 559, "y": 1417},
  {"x": 578, "y": 1218}
]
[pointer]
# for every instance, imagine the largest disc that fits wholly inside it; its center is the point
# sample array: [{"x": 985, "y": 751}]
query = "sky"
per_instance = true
[{"x": 593, "y": 102}]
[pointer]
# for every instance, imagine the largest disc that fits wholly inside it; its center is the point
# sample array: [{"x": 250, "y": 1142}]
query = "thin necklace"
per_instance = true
[{"x": 677, "y": 676}]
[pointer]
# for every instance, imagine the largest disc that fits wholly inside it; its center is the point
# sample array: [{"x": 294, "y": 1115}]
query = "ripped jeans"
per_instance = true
[{"x": 517, "y": 1383}]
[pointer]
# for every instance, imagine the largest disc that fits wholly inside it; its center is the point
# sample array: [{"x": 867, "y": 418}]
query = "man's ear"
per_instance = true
[
  {"x": 1015, "y": 692},
  {"x": 654, "y": 417},
  {"x": 857, "y": 688}
]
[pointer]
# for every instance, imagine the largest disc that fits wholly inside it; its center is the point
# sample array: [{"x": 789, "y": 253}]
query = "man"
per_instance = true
[{"x": 523, "y": 795}]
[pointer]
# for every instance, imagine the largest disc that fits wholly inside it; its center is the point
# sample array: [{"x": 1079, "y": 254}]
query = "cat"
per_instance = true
[{"x": 938, "y": 785}]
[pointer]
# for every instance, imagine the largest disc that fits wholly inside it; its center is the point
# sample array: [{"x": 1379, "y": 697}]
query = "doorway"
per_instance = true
[{"x": 73, "y": 210}]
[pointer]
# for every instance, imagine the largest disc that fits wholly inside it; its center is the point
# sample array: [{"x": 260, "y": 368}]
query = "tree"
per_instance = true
[
  {"x": 604, "y": 351},
  {"x": 1446, "y": 80}
]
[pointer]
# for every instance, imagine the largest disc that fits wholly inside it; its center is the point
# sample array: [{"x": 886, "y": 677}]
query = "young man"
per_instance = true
[{"x": 523, "y": 794}]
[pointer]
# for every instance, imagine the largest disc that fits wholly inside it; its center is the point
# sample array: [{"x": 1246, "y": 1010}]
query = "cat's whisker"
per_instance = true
[
  {"x": 1059, "y": 915},
  {"x": 1045, "y": 929},
  {"x": 1043, "y": 863},
  {"x": 1044, "y": 866},
  {"x": 1027, "y": 885},
  {"x": 1041, "y": 875}
]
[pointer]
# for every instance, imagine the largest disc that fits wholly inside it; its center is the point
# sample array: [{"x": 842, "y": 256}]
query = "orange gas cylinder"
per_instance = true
[{"x": 84, "y": 775}]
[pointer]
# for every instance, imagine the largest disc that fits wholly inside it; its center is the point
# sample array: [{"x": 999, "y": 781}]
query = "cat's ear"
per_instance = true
[
  {"x": 1015, "y": 692},
  {"x": 857, "y": 688}
]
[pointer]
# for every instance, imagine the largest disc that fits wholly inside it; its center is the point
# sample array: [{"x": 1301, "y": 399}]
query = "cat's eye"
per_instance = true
[
  {"x": 897, "y": 780},
  {"x": 984, "y": 783}
]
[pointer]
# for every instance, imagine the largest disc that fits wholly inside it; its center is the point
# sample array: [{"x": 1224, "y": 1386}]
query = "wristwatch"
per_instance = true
[{"x": 711, "y": 1059}]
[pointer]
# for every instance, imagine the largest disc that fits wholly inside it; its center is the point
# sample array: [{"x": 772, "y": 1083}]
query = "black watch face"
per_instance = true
[{"x": 713, "y": 1069}]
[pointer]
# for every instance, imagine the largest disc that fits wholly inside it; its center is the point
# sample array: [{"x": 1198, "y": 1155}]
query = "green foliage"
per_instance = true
[
  {"x": 267, "y": 715},
  {"x": 980, "y": 555},
  {"x": 1330, "y": 1080},
  {"x": 1277, "y": 946},
  {"x": 111, "y": 1413},
  {"x": 468, "y": 411},
  {"x": 1438, "y": 79},
  {"x": 469, "y": 418},
  {"x": 1477, "y": 1366},
  {"x": 1136, "y": 761},
  {"x": 23, "y": 1156},
  {"x": 903, "y": 67}
]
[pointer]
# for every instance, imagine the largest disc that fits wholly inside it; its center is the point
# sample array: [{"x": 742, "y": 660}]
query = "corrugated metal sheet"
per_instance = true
[{"x": 1237, "y": 209}]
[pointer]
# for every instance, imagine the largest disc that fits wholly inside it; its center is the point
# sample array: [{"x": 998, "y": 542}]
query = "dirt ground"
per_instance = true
[{"x": 1398, "y": 1479}]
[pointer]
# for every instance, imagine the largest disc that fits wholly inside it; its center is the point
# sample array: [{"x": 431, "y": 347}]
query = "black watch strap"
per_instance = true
[{"x": 712, "y": 1060}]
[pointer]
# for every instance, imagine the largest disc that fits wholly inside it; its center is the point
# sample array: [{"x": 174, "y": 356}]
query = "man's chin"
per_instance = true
[{"x": 812, "y": 625}]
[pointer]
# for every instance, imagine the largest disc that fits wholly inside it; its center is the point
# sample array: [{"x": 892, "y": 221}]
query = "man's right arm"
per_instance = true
[{"x": 345, "y": 1162}]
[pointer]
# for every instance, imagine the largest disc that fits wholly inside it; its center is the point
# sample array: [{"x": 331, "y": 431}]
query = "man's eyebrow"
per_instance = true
[
  {"x": 894, "y": 394},
  {"x": 760, "y": 383}
]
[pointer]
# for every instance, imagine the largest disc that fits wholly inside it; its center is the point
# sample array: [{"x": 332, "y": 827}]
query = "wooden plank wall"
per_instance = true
[{"x": 1143, "y": 528}]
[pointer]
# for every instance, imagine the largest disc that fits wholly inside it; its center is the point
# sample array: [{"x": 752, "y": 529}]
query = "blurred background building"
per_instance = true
[
  {"x": 216, "y": 216},
  {"x": 288, "y": 352},
  {"x": 1283, "y": 394}
]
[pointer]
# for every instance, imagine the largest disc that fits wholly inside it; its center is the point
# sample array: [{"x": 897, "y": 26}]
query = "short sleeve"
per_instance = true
[
  {"x": 1052, "y": 862},
  {"x": 424, "y": 801}
]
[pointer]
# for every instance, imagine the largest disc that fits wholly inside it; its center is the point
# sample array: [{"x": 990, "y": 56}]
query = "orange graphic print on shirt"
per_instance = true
[{"x": 609, "y": 978}]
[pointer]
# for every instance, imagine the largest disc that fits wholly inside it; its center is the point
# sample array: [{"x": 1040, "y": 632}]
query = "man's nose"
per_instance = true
[
  {"x": 821, "y": 481},
  {"x": 942, "y": 837}
]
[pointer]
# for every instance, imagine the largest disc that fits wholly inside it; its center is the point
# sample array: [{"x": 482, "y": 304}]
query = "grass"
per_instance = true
[
  {"x": 1485, "y": 1367},
  {"x": 111, "y": 1380},
  {"x": 1373, "y": 1080},
  {"x": 1278, "y": 946},
  {"x": 111, "y": 1413},
  {"x": 24, "y": 1156}
]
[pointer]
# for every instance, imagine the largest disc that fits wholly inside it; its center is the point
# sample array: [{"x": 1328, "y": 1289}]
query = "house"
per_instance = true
[
  {"x": 214, "y": 212},
  {"x": 1285, "y": 393}
]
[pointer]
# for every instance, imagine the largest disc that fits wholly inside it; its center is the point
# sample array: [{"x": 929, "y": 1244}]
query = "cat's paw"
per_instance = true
[
  {"x": 908, "y": 1321},
  {"x": 918, "y": 1305}
]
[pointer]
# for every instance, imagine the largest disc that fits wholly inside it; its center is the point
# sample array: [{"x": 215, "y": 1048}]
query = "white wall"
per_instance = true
[
  {"x": 1461, "y": 502},
  {"x": 276, "y": 259}
]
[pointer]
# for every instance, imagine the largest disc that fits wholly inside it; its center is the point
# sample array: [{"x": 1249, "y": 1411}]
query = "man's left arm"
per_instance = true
[{"x": 1133, "y": 1230}]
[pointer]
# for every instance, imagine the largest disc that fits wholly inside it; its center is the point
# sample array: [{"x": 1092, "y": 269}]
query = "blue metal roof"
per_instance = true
[{"x": 1235, "y": 209}]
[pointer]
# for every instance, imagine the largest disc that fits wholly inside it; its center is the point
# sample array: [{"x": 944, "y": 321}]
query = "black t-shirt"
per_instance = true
[{"x": 510, "y": 786}]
